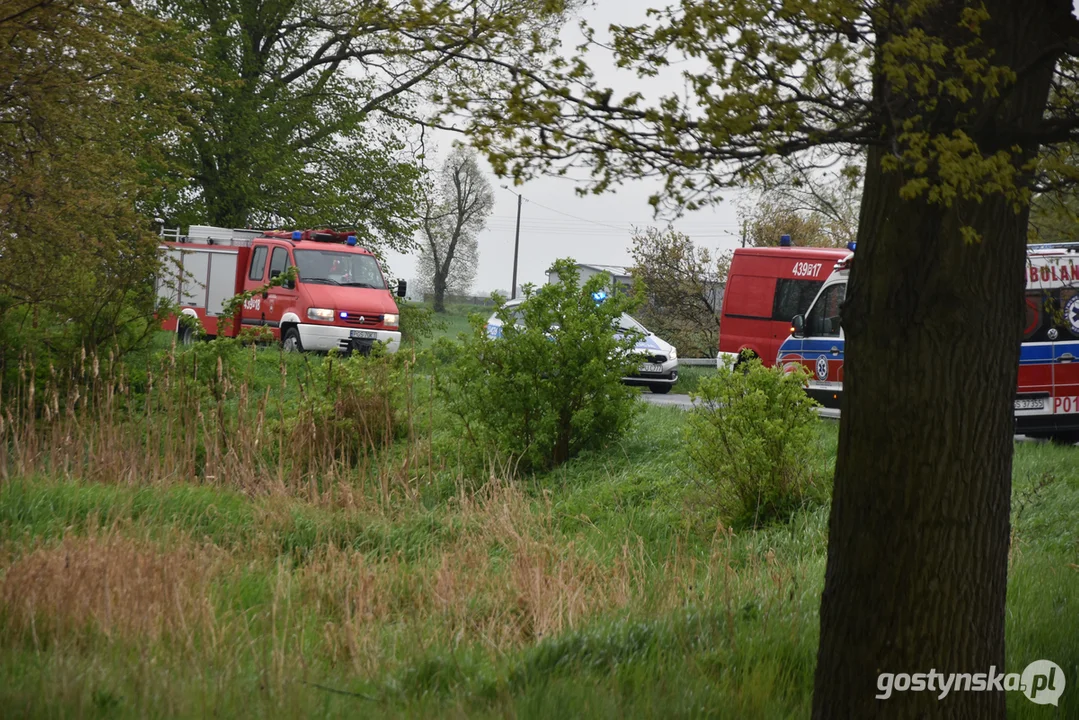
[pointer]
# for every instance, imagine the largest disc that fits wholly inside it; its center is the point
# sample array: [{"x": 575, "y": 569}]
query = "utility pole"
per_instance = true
[{"x": 516, "y": 243}]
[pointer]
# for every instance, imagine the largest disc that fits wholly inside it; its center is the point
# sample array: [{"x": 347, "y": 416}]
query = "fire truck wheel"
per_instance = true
[
  {"x": 1068, "y": 437},
  {"x": 185, "y": 336},
  {"x": 660, "y": 388},
  {"x": 290, "y": 341},
  {"x": 744, "y": 358}
]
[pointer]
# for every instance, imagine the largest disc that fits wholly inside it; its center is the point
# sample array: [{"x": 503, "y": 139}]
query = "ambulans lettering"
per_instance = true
[
  {"x": 805, "y": 269},
  {"x": 1051, "y": 273}
]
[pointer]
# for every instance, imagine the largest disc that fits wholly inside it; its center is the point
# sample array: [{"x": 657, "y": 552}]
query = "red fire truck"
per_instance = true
[
  {"x": 340, "y": 299},
  {"x": 766, "y": 287}
]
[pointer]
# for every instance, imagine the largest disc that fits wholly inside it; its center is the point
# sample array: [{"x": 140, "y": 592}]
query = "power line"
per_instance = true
[{"x": 559, "y": 212}]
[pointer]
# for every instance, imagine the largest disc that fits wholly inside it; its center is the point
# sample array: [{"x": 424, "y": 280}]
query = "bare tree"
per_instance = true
[
  {"x": 454, "y": 212},
  {"x": 817, "y": 207},
  {"x": 684, "y": 289}
]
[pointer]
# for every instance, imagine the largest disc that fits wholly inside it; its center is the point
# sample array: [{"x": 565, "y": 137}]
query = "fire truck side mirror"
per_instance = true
[
  {"x": 798, "y": 325},
  {"x": 402, "y": 288}
]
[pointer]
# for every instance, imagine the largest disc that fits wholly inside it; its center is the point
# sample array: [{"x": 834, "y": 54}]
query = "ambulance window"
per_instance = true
[
  {"x": 1033, "y": 321},
  {"x": 793, "y": 297},
  {"x": 278, "y": 262},
  {"x": 823, "y": 320},
  {"x": 1050, "y": 315},
  {"x": 258, "y": 264}
]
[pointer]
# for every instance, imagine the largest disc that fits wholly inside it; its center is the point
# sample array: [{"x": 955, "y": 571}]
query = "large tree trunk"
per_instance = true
[{"x": 919, "y": 528}]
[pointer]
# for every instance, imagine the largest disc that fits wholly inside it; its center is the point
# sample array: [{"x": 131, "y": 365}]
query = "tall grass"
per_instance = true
[
  {"x": 200, "y": 417},
  {"x": 190, "y": 538}
]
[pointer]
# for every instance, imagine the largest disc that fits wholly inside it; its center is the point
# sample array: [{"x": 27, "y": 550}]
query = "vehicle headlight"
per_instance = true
[
  {"x": 390, "y": 320},
  {"x": 320, "y": 314},
  {"x": 673, "y": 354}
]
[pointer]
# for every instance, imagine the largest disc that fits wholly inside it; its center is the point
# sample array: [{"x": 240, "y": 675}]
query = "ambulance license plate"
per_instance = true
[
  {"x": 361, "y": 334},
  {"x": 1030, "y": 403},
  {"x": 651, "y": 368}
]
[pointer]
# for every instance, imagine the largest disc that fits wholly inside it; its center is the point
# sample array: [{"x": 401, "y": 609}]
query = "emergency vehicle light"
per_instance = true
[
  {"x": 297, "y": 235},
  {"x": 351, "y": 240},
  {"x": 850, "y": 246},
  {"x": 785, "y": 241},
  {"x": 599, "y": 296}
]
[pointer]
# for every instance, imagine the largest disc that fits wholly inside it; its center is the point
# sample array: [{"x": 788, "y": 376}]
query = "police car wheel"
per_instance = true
[
  {"x": 290, "y": 341},
  {"x": 742, "y": 364}
]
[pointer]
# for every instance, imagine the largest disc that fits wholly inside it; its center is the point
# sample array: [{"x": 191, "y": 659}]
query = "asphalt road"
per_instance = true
[{"x": 682, "y": 401}]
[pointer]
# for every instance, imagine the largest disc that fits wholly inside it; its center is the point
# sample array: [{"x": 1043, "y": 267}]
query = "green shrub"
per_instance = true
[
  {"x": 549, "y": 387},
  {"x": 418, "y": 322},
  {"x": 752, "y": 440}
]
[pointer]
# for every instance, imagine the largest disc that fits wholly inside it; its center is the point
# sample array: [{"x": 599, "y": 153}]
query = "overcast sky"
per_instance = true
[{"x": 555, "y": 222}]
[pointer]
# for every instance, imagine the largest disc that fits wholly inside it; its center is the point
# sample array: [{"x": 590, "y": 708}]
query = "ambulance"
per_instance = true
[
  {"x": 766, "y": 287},
  {"x": 1047, "y": 397},
  {"x": 340, "y": 299}
]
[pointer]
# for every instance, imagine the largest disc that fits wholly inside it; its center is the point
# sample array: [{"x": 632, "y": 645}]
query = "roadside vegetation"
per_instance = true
[{"x": 226, "y": 529}]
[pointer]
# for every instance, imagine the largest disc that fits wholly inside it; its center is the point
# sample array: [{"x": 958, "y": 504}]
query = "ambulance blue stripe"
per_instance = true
[
  {"x": 1030, "y": 353},
  {"x": 1036, "y": 353}
]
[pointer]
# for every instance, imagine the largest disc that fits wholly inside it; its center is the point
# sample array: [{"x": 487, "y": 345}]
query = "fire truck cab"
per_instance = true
[
  {"x": 339, "y": 300},
  {"x": 1047, "y": 396}
]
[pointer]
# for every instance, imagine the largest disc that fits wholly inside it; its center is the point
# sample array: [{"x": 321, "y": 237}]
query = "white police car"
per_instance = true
[{"x": 659, "y": 369}]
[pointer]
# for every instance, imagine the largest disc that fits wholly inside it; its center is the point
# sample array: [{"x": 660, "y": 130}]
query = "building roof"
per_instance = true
[{"x": 620, "y": 270}]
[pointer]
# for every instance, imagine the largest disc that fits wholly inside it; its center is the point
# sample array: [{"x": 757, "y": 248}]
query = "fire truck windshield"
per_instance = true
[{"x": 338, "y": 268}]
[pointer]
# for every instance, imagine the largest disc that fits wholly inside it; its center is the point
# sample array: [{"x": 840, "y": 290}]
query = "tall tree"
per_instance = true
[
  {"x": 950, "y": 101},
  {"x": 683, "y": 289},
  {"x": 454, "y": 212},
  {"x": 89, "y": 92},
  {"x": 297, "y": 100},
  {"x": 1054, "y": 210}
]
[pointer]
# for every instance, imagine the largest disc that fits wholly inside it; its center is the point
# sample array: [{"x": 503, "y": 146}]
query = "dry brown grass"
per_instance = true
[
  {"x": 192, "y": 423},
  {"x": 108, "y": 583},
  {"x": 508, "y": 580}
]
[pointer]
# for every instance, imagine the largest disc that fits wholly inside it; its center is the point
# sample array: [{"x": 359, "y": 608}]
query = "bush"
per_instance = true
[
  {"x": 550, "y": 387},
  {"x": 418, "y": 322},
  {"x": 753, "y": 439}
]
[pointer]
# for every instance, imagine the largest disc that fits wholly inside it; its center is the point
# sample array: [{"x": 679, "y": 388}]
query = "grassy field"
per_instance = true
[
  {"x": 690, "y": 375},
  {"x": 399, "y": 586}
]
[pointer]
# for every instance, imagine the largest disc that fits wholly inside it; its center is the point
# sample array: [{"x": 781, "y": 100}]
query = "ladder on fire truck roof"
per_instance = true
[{"x": 210, "y": 235}]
